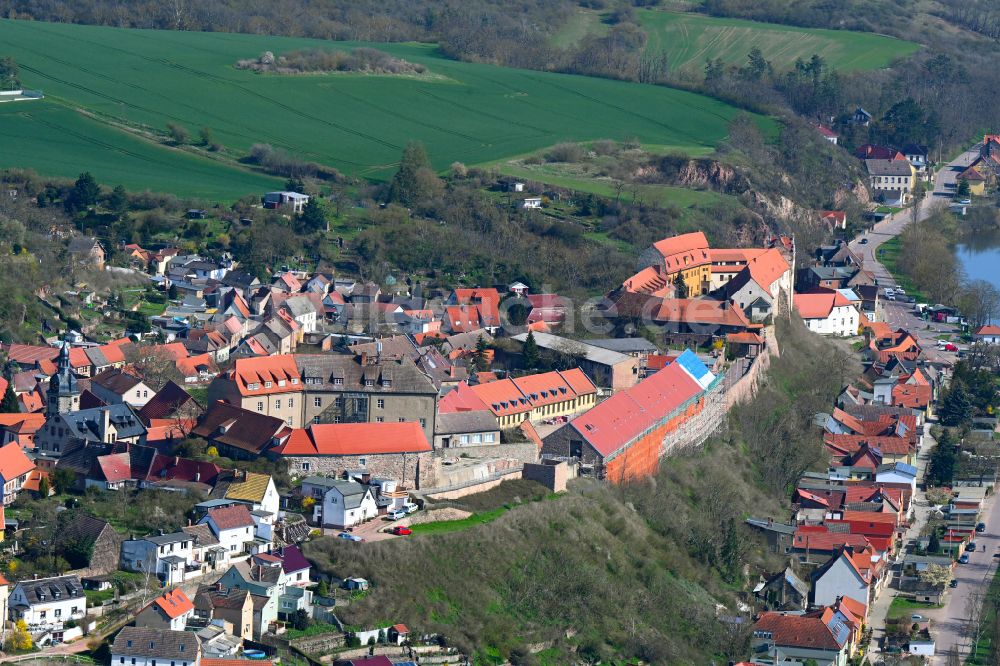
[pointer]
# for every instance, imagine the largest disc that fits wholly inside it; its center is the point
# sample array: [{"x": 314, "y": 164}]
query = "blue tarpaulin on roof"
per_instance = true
[{"x": 693, "y": 366}]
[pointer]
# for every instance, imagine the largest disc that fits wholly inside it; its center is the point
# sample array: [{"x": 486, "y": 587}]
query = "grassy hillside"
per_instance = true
[
  {"x": 357, "y": 123},
  {"x": 691, "y": 39},
  {"x": 58, "y": 141}
]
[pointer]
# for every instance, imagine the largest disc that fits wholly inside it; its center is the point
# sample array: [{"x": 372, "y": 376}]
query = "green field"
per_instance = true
[
  {"x": 691, "y": 39},
  {"x": 468, "y": 112},
  {"x": 59, "y": 141}
]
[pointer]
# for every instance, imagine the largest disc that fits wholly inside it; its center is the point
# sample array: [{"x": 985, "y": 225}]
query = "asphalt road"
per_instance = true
[
  {"x": 948, "y": 623},
  {"x": 901, "y": 315}
]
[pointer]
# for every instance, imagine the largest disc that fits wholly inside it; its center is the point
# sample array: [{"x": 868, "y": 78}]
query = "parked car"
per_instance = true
[
  {"x": 410, "y": 507},
  {"x": 395, "y": 514},
  {"x": 953, "y": 583},
  {"x": 964, "y": 559},
  {"x": 889, "y": 291},
  {"x": 864, "y": 241},
  {"x": 971, "y": 547},
  {"x": 900, "y": 291},
  {"x": 400, "y": 530},
  {"x": 965, "y": 201},
  {"x": 916, "y": 618},
  {"x": 952, "y": 347},
  {"x": 981, "y": 527},
  {"x": 349, "y": 537}
]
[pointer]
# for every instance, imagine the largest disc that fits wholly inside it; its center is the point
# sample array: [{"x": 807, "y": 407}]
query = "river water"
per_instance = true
[{"x": 979, "y": 257}]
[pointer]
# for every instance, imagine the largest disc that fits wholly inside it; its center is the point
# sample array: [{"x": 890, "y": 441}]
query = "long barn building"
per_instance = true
[{"x": 623, "y": 437}]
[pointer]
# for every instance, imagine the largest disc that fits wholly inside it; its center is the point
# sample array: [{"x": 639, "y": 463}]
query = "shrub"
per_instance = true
[{"x": 565, "y": 152}]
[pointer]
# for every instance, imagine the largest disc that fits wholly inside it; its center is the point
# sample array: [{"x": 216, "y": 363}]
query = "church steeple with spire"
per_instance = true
[{"x": 64, "y": 393}]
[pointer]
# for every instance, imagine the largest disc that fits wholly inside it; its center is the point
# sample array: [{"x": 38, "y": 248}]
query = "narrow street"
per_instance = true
[{"x": 921, "y": 512}]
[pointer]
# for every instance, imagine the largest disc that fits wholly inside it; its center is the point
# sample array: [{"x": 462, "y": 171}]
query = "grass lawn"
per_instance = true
[
  {"x": 904, "y": 608},
  {"x": 313, "y": 630},
  {"x": 98, "y": 597},
  {"x": 467, "y": 112},
  {"x": 199, "y": 393},
  {"x": 690, "y": 39},
  {"x": 477, "y": 518},
  {"x": 889, "y": 255}
]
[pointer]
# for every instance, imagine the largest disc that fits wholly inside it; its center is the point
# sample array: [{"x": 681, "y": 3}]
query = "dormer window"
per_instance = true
[
  {"x": 267, "y": 384},
  {"x": 281, "y": 382},
  {"x": 386, "y": 383},
  {"x": 294, "y": 381},
  {"x": 369, "y": 382},
  {"x": 338, "y": 381}
]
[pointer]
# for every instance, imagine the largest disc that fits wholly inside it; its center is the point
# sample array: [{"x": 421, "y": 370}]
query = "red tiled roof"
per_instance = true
[
  {"x": 347, "y": 439},
  {"x": 280, "y": 369},
  {"x": 515, "y": 396},
  {"x": 826, "y": 541},
  {"x": 13, "y": 462},
  {"x": 744, "y": 338},
  {"x": 30, "y": 354},
  {"x": 626, "y": 415},
  {"x": 173, "y": 603},
  {"x": 461, "y": 399},
  {"x": 231, "y": 517},
  {"x": 701, "y": 311},
  {"x": 819, "y": 305},
  {"x": 694, "y": 246},
  {"x": 849, "y": 444},
  {"x": 235, "y": 662},
  {"x": 988, "y": 329},
  {"x": 797, "y": 631},
  {"x": 767, "y": 267},
  {"x": 115, "y": 467}
]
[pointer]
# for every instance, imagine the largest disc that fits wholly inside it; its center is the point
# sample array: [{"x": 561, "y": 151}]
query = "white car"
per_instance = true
[
  {"x": 410, "y": 507},
  {"x": 900, "y": 291},
  {"x": 395, "y": 514}
]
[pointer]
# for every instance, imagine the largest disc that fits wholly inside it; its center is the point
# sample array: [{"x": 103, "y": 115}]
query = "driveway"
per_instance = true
[{"x": 948, "y": 623}]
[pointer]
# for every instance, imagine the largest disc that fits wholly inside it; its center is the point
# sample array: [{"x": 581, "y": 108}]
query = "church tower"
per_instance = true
[{"x": 63, "y": 395}]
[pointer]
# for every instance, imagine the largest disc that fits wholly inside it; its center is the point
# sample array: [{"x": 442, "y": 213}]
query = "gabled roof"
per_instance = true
[
  {"x": 231, "y": 517},
  {"x": 693, "y": 245},
  {"x": 819, "y": 305},
  {"x": 165, "y": 403},
  {"x": 628, "y": 414},
  {"x": 800, "y": 631},
  {"x": 252, "y": 489},
  {"x": 278, "y": 371},
  {"x": 292, "y": 559},
  {"x": 13, "y": 462},
  {"x": 346, "y": 439},
  {"x": 159, "y": 643},
  {"x": 113, "y": 468},
  {"x": 116, "y": 381},
  {"x": 238, "y": 427},
  {"x": 173, "y": 604}
]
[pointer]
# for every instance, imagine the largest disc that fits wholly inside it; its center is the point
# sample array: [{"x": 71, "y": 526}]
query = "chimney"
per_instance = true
[
  {"x": 105, "y": 423},
  {"x": 177, "y": 461},
  {"x": 218, "y": 586},
  {"x": 364, "y": 358},
  {"x": 197, "y": 477}
]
